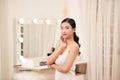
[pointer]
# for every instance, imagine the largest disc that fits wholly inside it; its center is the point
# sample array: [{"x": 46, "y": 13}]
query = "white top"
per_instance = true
[{"x": 60, "y": 61}]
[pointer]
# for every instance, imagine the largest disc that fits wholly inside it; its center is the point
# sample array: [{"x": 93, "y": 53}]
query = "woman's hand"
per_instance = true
[
  {"x": 63, "y": 43},
  {"x": 51, "y": 66},
  {"x": 58, "y": 50}
]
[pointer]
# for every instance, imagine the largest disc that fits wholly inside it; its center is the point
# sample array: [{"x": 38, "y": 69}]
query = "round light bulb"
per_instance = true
[
  {"x": 21, "y": 21},
  {"x": 35, "y": 21},
  {"x": 59, "y": 21},
  {"x": 21, "y": 39},
  {"x": 48, "y": 21}
]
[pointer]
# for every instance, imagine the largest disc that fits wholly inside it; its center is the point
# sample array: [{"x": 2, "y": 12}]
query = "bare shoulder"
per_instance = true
[{"x": 74, "y": 47}]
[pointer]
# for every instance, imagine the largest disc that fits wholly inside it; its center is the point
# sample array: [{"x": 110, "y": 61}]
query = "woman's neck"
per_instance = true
[{"x": 69, "y": 42}]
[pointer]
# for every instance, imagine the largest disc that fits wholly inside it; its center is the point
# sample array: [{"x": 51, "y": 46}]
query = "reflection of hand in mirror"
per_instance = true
[{"x": 52, "y": 49}]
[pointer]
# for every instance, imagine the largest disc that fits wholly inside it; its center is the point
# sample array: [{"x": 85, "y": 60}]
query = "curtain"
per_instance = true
[
  {"x": 6, "y": 66},
  {"x": 101, "y": 22},
  {"x": 38, "y": 39},
  {"x": 6, "y": 57}
]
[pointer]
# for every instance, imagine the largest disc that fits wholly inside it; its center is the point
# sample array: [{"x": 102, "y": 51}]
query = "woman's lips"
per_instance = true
[{"x": 64, "y": 34}]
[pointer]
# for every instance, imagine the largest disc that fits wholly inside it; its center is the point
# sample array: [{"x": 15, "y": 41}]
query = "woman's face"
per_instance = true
[{"x": 66, "y": 30}]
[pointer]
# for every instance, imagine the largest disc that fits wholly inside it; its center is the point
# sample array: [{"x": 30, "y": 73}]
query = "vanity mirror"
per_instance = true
[{"x": 36, "y": 39}]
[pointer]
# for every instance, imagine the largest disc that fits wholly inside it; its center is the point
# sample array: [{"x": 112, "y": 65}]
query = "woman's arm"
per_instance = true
[
  {"x": 61, "y": 47},
  {"x": 52, "y": 58},
  {"x": 69, "y": 62}
]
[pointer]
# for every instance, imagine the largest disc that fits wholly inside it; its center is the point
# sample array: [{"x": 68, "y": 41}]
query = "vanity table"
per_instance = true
[
  {"x": 80, "y": 67},
  {"x": 44, "y": 72},
  {"x": 36, "y": 73}
]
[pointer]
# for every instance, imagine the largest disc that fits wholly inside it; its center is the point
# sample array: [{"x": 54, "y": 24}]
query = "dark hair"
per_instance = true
[{"x": 73, "y": 24}]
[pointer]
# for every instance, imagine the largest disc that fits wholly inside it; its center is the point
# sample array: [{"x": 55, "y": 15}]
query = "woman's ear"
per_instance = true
[{"x": 74, "y": 30}]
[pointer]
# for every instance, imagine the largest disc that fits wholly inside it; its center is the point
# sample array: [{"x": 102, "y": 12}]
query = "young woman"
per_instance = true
[{"x": 64, "y": 57}]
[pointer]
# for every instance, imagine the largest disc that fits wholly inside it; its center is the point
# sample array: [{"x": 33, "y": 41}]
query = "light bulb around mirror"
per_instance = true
[
  {"x": 35, "y": 21},
  {"x": 48, "y": 21},
  {"x": 21, "y": 39},
  {"x": 58, "y": 21},
  {"x": 21, "y": 21}
]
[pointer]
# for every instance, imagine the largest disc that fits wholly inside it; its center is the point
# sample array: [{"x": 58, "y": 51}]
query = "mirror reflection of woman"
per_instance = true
[{"x": 64, "y": 57}]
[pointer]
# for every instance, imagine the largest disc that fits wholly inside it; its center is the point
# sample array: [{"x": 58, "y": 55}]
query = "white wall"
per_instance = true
[{"x": 36, "y": 8}]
